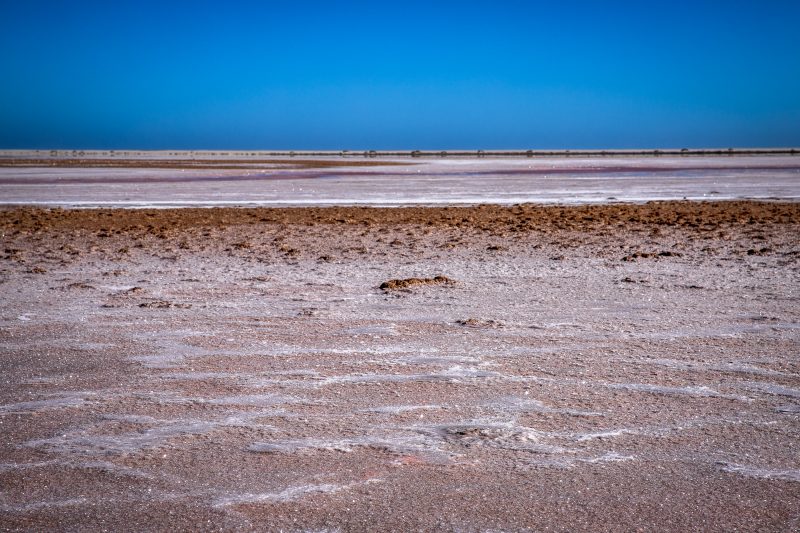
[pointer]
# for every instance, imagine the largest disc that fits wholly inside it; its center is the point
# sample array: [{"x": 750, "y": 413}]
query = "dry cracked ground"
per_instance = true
[{"x": 593, "y": 368}]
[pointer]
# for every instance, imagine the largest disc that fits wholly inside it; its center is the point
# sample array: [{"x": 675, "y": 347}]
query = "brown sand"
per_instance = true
[{"x": 593, "y": 368}]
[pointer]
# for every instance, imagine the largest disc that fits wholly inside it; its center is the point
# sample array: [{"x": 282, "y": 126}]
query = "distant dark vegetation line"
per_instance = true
[{"x": 182, "y": 157}]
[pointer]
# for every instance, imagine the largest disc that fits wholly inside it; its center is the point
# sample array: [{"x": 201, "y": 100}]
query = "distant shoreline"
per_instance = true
[{"x": 202, "y": 154}]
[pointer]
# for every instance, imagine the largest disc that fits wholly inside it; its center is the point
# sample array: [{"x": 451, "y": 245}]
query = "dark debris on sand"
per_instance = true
[{"x": 399, "y": 284}]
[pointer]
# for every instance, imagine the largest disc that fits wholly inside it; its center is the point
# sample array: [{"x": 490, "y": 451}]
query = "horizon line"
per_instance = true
[{"x": 78, "y": 152}]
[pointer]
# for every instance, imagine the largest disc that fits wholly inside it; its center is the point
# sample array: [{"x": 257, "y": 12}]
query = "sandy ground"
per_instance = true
[{"x": 595, "y": 368}]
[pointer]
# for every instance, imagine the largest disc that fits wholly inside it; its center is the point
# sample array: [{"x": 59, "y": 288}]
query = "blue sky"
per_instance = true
[{"x": 399, "y": 75}]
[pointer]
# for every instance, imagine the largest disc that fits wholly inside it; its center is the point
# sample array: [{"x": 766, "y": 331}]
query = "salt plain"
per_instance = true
[
  {"x": 444, "y": 181},
  {"x": 242, "y": 370}
]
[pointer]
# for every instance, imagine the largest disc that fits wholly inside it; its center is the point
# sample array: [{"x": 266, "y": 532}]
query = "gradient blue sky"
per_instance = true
[{"x": 399, "y": 75}]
